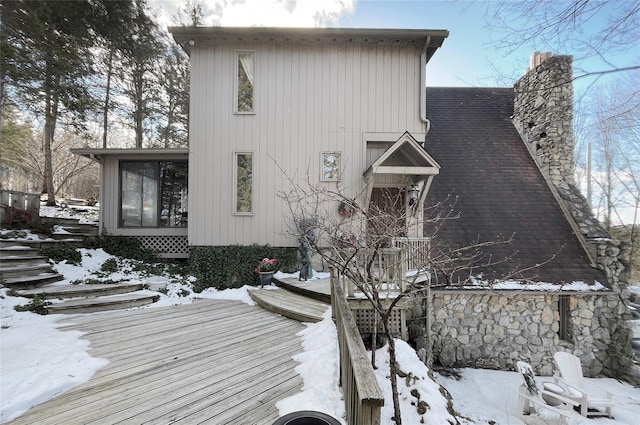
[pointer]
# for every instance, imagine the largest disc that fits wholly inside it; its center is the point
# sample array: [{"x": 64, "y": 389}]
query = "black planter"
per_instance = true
[{"x": 307, "y": 417}]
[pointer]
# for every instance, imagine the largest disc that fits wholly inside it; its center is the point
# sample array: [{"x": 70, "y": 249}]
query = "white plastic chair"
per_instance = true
[
  {"x": 591, "y": 399},
  {"x": 530, "y": 396}
]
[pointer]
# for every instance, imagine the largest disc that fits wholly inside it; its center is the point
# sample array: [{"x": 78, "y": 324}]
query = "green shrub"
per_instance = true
[
  {"x": 42, "y": 226},
  {"x": 109, "y": 266},
  {"x": 63, "y": 251},
  {"x": 232, "y": 266},
  {"x": 36, "y": 305},
  {"x": 123, "y": 246},
  {"x": 94, "y": 281}
]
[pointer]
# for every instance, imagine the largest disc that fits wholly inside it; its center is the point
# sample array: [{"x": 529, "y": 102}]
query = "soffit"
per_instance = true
[
  {"x": 97, "y": 154},
  {"x": 191, "y": 37}
]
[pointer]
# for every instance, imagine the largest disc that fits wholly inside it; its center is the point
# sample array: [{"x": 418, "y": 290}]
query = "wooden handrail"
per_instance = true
[
  {"x": 18, "y": 206},
  {"x": 363, "y": 397}
]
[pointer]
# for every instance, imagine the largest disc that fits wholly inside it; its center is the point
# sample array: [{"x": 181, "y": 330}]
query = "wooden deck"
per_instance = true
[{"x": 210, "y": 362}]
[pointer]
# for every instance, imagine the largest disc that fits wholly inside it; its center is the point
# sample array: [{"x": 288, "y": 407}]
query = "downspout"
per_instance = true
[
  {"x": 423, "y": 86},
  {"x": 423, "y": 118}
]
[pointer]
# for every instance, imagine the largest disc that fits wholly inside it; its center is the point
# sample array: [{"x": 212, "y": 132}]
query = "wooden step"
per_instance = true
[
  {"x": 75, "y": 291},
  {"x": 317, "y": 289},
  {"x": 17, "y": 251},
  {"x": 17, "y": 260},
  {"x": 28, "y": 282},
  {"x": 91, "y": 305},
  {"x": 8, "y": 270},
  {"x": 61, "y": 221},
  {"x": 76, "y": 228},
  {"x": 38, "y": 243},
  {"x": 289, "y": 304},
  {"x": 67, "y": 236}
]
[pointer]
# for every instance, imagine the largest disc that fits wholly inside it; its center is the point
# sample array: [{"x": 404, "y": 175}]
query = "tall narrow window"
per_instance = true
[
  {"x": 564, "y": 308},
  {"x": 245, "y": 82},
  {"x": 244, "y": 183}
]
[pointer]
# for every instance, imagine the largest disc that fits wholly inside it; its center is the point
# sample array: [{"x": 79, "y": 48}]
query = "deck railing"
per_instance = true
[
  {"x": 386, "y": 269},
  {"x": 16, "y": 204},
  {"x": 416, "y": 249},
  {"x": 363, "y": 397}
]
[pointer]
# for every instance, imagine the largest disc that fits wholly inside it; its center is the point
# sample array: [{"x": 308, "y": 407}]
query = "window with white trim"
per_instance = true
[
  {"x": 245, "y": 76},
  {"x": 243, "y": 183},
  {"x": 153, "y": 193}
]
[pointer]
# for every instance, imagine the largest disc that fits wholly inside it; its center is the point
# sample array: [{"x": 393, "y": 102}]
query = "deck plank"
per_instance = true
[{"x": 205, "y": 362}]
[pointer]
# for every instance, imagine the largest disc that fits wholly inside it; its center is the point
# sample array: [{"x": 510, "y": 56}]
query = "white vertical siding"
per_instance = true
[{"x": 309, "y": 97}]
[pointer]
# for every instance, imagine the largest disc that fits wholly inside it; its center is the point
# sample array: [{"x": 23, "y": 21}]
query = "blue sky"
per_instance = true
[
  {"x": 469, "y": 57},
  {"x": 466, "y": 57}
]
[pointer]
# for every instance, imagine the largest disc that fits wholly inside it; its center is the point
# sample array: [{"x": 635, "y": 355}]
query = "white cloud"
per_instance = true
[{"x": 270, "y": 13}]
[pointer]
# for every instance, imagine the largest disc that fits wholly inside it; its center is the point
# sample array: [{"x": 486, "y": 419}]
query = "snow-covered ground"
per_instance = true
[{"x": 39, "y": 361}]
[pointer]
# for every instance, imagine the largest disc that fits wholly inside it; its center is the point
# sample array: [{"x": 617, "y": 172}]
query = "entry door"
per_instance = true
[{"x": 388, "y": 207}]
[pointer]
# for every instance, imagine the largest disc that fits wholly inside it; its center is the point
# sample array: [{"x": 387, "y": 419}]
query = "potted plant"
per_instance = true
[{"x": 266, "y": 268}]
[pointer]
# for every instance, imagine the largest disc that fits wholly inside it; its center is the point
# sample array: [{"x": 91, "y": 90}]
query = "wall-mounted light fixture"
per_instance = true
[{"x": 414, "y": 191}]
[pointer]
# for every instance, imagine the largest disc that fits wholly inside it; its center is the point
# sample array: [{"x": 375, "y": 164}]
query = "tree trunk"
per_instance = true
[
  {"x": 139, "y": 105},
  {"x": 51, "y": 115},
  {"x": 105, "y": 111},
  {"x": 393, "y": 372}
]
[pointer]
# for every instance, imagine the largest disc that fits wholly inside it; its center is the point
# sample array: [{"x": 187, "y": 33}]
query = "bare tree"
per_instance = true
[
  {"x": 608, "y": 123},
  {"x": 578, "y": 25},
  {"x": 361, "y": 242},
  {"x": 23, "y": 158}
]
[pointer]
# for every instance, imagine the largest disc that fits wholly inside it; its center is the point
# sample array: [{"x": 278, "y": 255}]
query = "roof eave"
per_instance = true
[
  {"x": 96, "y": 154},
  {"x": 188, "y": 36}
]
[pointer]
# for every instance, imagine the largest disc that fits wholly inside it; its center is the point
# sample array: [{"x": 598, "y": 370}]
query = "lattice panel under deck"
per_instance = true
[
  {"x": 166, "y": 244},
  {"x": 364, "y": 320}
]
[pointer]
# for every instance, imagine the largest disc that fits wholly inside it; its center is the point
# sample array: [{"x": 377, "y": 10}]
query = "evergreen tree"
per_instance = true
[{"x": 46, "y": 60}]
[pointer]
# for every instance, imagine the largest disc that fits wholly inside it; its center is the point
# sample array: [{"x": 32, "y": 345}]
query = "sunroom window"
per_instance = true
[{"x": 153, "y": 193}]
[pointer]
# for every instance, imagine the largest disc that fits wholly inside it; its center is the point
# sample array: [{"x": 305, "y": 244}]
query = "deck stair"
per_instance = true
[
  {"x": 23, "y": 268},
  {"x": 301, "y": 301},
  {"x": 92, "y": 298},
  {"x": 103, "y": 303},
  {"x": 73, "y": 229}
]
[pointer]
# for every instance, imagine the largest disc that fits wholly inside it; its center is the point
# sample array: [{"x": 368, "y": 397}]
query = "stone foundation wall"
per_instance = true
[{"x": 495, "y": 330}]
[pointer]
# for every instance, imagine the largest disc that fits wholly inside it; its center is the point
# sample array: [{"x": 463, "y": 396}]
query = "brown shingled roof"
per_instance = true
[{"x": 500, "y": 191}]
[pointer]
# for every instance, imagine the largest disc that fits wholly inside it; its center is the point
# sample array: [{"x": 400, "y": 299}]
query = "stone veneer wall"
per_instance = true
[
  {"x": 495, "y": 329},
  {"x": 543, "y": 115}
]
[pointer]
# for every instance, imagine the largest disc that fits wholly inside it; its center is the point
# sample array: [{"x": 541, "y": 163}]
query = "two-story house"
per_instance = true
[{"x": 271, "y": 105}]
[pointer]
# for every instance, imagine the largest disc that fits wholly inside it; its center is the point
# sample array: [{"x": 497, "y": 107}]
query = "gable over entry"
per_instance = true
[{"x": 405, "y": 164}]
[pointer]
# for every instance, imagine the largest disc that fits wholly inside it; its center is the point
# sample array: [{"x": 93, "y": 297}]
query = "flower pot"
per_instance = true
[{"x": 265, "y": 278}]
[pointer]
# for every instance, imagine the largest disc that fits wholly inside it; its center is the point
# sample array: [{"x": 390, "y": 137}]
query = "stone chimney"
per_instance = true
[
  {"x": 536, "y": 59},
  {"x": 543, "y": 115}
]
